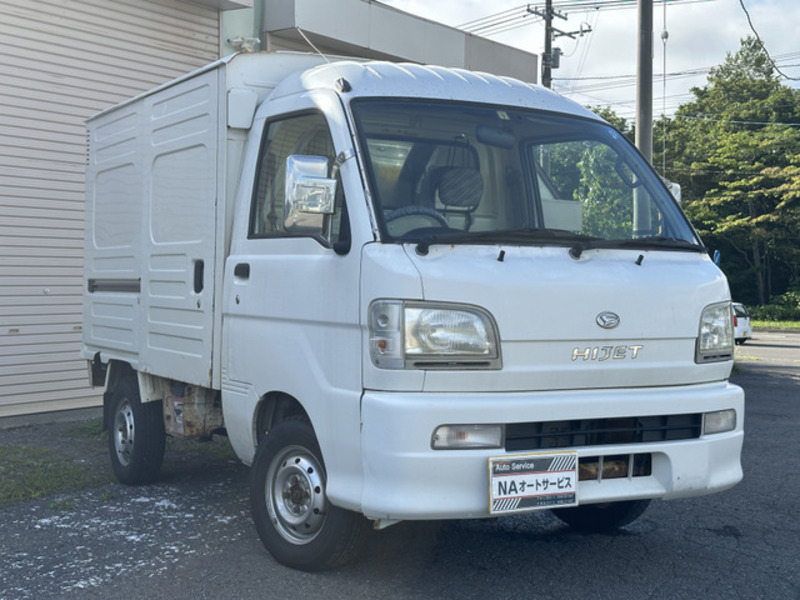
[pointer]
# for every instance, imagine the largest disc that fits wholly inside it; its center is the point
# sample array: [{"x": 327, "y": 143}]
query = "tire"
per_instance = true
[
  {"x": 136, "y": 435},
  {"x": 295, "y": 521},
  {"x": 602, "y": 518}
]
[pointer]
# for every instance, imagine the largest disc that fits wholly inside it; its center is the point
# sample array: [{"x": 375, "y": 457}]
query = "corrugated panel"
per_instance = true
[{"x": 61, "y": 62}]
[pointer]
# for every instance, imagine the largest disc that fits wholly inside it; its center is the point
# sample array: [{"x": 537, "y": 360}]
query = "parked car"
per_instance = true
[{"x": 741, "y": 323}]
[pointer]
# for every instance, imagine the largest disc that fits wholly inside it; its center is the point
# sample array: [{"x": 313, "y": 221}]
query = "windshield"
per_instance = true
[{"x": 474, "y": 173}]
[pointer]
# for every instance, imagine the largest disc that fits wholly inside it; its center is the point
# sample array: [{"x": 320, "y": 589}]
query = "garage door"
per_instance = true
[{"x": 60, "y": 62}]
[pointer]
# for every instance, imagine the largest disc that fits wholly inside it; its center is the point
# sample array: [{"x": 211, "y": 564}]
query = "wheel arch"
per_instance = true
[
  {"x": 117, "y": 371},
  {"x": 276, "y": 407}
]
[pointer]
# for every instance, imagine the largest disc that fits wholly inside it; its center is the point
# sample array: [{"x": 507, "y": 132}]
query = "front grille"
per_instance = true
[
  {"x": 598, "y": 468},
  {"x": 600, "y": 432}
]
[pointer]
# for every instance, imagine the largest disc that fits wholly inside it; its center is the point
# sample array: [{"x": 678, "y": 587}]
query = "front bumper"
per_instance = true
[{"x": 405, "y": 479}]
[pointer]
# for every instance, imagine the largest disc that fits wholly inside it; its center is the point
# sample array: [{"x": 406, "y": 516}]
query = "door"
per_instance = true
[
  {"x": 179, "y": 233},
  {"x": 291, "y": 311}
]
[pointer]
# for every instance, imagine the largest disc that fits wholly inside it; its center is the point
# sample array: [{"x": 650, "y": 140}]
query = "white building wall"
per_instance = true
[
  {"x": 375, "y": 30},
  {"x": 61, "y": 62}
]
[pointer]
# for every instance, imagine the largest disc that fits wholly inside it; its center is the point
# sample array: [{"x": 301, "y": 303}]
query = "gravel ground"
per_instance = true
[{"x": 76, "y": 543}]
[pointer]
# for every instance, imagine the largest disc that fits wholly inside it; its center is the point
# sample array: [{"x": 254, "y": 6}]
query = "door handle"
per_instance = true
[
  {"x": 242, "y": 271},
  {"x": 199, "y": 275}
]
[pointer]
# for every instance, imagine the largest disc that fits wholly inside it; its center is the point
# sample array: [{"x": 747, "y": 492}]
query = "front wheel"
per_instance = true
[
  {"x": 294, "y": 519},
  {"x": 602, "y": 518},
  {"x": 136, "y": 437}
]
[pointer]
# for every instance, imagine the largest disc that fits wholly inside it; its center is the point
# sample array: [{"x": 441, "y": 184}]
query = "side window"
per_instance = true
[{"x": 306, "y": 135}]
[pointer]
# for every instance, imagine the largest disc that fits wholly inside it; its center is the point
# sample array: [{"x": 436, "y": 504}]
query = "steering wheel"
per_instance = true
[{"x": 416, "y": 211}]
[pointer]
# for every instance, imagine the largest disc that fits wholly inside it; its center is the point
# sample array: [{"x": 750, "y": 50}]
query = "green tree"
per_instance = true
[
  {"x": 751, "y": 169},
  {"x": 735, "y": 152}
]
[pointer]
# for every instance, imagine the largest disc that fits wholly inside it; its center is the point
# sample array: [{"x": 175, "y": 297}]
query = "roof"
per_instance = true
[{"x": 378, "y": 78}]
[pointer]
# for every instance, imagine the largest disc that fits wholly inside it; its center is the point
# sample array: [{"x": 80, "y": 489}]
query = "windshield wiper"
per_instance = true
[
  {"x": 643, "y": 243},
  {"x": 504, "y": 236}
]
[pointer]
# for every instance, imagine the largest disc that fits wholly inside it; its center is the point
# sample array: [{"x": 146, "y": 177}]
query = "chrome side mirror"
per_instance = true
[{"x": 310, "y": 194}]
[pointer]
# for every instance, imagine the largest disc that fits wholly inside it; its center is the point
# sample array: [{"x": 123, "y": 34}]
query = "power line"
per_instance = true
[
  {"x": 735, "y": 122},
  {"x": 763, "y": 47},
  {"x": 522, "y": 12},
  {"x": 609, "y": 82},
  {"x": 677, "y": 74}
]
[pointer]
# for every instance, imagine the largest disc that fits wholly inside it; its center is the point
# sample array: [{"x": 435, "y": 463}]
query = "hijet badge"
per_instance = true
[{"x": 526, "y": 482}]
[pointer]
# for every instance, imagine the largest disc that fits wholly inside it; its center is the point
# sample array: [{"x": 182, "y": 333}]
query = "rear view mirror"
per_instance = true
[{"x": 310, "y": 194}]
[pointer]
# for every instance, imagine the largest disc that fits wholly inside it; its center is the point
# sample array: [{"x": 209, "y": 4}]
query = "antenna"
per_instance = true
[
  {"x": 342, "y": 83},
  {"x": 310, "y": 43}
]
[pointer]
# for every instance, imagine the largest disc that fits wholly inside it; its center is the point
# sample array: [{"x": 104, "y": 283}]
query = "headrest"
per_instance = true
[{"x": 459, "y": 186}]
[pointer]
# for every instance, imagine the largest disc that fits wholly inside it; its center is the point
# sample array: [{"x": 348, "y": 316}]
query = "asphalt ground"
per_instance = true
[{"x": 190, "y": 535}]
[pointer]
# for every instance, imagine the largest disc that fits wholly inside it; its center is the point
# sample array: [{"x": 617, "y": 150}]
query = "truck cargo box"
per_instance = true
[{"x": 162, "y": 172}]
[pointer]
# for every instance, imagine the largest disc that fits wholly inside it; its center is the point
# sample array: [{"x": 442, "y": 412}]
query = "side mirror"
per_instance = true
[{"x": 310, "y": 194}]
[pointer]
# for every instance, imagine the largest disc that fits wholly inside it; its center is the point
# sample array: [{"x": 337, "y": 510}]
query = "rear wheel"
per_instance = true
[
  {"x": 602, "y": 518},
  {"x": 136, "y": 437},
  {"x": 294, "y": 519}
]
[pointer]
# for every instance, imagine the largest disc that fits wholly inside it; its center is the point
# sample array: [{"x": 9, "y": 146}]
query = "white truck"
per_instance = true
[{"x": 403, "y": 292}]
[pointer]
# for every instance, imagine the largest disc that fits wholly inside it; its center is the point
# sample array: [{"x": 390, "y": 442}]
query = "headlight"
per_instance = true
[
  {"x": 715, "y": 338},
  {"x": 423, "y": 335}
]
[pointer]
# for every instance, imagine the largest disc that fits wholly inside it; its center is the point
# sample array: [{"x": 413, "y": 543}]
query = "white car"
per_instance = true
[{"x": 741, "y": 323}]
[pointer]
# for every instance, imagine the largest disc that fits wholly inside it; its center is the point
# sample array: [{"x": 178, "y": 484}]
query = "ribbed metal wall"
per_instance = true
[{"x": 60, "y": 62}]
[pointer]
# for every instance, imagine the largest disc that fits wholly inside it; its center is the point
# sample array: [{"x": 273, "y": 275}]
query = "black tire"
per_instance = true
[
  {"x": 602, "y": 518},
  {"x": 294, "y": 519},
  {"x": 136, "y": 437}
]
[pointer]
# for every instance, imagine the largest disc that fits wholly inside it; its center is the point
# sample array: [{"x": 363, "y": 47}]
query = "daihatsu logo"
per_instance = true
[{"x": 607, "y": 320}]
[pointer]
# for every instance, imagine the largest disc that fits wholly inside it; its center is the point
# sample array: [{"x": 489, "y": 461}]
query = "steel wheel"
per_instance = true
[
  {"x": 292, "y": 514},
  {"x": 123, "y": 433},
  {"x": 135, "y": 434},
  {"x": 295, "y": 493}
]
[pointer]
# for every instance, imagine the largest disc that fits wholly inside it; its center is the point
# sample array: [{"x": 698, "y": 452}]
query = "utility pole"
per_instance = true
[
  {"x": 644, "y": 81},
  {"x": 642, "y": 218},
  {"x": 547, "y": 57},
  {"x": 551, "y": 56}
]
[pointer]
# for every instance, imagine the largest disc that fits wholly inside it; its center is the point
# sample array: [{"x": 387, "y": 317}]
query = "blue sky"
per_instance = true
[{"x": 700, "y": 33}]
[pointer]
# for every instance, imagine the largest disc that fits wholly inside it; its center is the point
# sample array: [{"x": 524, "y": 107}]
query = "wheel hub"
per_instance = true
[
  {"x": 296, "y": 501},
  {"x": 124, "y": 433}
]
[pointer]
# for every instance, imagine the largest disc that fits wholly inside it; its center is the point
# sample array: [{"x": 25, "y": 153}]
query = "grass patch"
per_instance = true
[
  {"x": 775, "y": 324},
  {"x": 57, "y": 458},
  {"x": 62, "y": 458},
  {"x": 27, "y": 473},
  {"x": 89, "y": 430}
]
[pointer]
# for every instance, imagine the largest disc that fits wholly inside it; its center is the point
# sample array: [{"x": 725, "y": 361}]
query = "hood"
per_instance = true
[{"x": 609, "y": 319}]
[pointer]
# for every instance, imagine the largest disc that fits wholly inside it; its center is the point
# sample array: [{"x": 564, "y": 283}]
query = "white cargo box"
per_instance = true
[{"x": 162, "y": 173}]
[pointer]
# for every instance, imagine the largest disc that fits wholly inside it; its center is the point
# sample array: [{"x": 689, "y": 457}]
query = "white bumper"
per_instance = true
[{"x": 405, "y": 479}]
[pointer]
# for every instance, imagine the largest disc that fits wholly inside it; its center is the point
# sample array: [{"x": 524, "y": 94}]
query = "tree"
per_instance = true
[
  {"x": 735, "y": 152},
  {"x": 750, "y": 170}
]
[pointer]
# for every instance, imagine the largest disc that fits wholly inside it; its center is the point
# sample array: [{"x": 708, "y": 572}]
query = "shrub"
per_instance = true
[{"x": 785, "y": 307}]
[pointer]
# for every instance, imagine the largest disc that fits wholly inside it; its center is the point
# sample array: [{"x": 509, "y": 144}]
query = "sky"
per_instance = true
[{"x": 598, "y": 68}]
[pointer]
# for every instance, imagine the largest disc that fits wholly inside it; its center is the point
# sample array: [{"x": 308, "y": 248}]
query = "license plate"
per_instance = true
[{"x": 526, "y": 482}]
